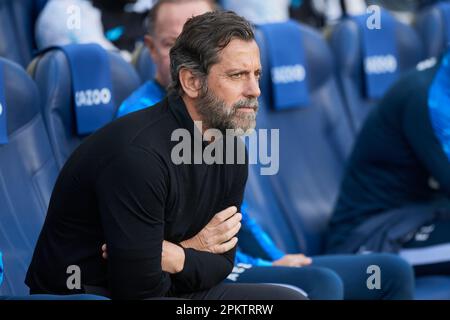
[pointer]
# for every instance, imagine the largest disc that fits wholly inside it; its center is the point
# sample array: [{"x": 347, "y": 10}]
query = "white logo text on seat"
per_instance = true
[
  {"x": 87, "y": 98},
  {"x": 288, "y": 74},
  {"x": 380, "y": 64}
]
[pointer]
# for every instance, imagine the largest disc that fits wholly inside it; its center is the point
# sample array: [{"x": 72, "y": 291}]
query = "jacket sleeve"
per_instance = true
[
  {"x": 244, "y": 258},
  {"x": 131, "y": 191},
  {"x": 420, "y": 135},
  {"x": 202, "y": 270},
  {"x": 254, "y": 241}
]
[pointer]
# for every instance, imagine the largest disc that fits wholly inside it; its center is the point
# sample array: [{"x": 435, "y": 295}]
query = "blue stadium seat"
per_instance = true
[
  {"x": 347, "y": 46},
  {"x": 17, "y": 29},
  {"x": 143, "y": 63},
  {"x": 432, "y": 288},
  {"x": 314, "y": 143},
  {"x": 433, "y": 26},
  {"x": 27, "y": 173},
  {"x": 53, "y": 76},
  {"x": 264, "y": 208}
]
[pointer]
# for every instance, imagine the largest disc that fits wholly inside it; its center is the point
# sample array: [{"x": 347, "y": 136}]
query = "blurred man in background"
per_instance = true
[
  {"x": 165, "y": 23},
  {"x": 395, "y": 195}
]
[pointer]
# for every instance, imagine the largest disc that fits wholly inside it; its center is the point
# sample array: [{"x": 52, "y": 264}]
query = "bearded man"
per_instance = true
[{"x": 122, "y": 188}]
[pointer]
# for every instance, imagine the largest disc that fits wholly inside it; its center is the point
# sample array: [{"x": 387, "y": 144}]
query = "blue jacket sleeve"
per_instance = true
[
  {"x": 242, "y": 258},
  {"x": 1, "y": 268},
  {"x": 255, "y": 242},
  {"x": 149, "y": 94}
]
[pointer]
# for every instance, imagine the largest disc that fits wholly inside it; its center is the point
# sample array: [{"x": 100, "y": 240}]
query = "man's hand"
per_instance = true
[
  {"x": 218, "y": 236},
  {"x": 293, "y": 260},
  {"x": 172, "y": 257},
  {"x": 104, "y": 252}
]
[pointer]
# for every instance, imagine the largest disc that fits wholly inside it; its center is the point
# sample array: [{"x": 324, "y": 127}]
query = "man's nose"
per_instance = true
[{"x": 252, "y": 89}]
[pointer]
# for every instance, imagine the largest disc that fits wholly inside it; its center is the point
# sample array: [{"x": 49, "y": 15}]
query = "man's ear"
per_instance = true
[
  {"x": 150, "y": 44},
  {"x": 190, "y": 83}
]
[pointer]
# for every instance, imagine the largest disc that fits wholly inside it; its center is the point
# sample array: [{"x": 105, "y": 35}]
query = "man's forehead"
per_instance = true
[
  {"x": 172, "y": 16},
  {"x": 240, "y": 54}
]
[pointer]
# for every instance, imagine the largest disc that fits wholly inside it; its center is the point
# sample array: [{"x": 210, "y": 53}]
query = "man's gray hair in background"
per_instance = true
[{"x": 153, "y": 13}]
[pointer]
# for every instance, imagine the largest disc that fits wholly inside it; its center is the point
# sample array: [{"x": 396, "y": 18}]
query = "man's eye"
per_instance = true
[
  {"x": 167, "y": 43},
  {"x": 236, "y": 76}
]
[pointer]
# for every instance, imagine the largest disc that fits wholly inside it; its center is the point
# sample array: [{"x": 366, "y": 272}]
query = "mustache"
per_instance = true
[{"x": 247, "y": 103}]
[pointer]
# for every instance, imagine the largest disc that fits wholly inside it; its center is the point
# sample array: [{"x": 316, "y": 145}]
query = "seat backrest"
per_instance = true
[
  {"x": 27, "y": 174},
  {"x": 17, "y": 30},
  {"x": 346, "y": 42},
  {"x": 54, "y": 78},
  {"x": 314, "y": 141},
  {"x": 143, "y": 63},
  {"x": 264, "y": 208},
  {"x": 433, "y": 26}
]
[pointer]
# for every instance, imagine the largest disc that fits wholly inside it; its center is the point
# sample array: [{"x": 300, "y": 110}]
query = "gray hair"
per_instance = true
[
  {"x": 199, "y": 44},
  {"x": 152, "y": 16}
]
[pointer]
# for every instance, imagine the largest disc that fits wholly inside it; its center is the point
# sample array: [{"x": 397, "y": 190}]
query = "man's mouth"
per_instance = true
[{"x": 247, "y": 109}]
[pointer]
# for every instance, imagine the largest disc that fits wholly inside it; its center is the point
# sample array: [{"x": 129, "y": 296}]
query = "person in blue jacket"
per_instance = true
[
  {"x": 323, "y": 277},
  {"x": 395, "y": 193}
]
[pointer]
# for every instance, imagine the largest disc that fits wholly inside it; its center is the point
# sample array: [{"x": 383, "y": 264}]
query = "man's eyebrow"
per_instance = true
[
  {"x": 168, "y": 38},
  {"x": 238, "y": 70},
  {"x": 235, "y": 69}
]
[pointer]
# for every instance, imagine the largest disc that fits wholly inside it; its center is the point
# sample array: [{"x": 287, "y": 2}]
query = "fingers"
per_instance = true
[
  {"x": 232, "y": 232},
  {"x": 299, "y": 262},
  {"x": 228, "y": 233},
  {"x": 226, "y": 246},
  {"x": 230, "y": 223},
  {"x": 222, "y": 227},
  {"x": 224, "y": 231},
  {"x": 302, "y": 260},
  {"x": 307, "y": 261},
  {"x": 104, "y": 252},
  {"x": 293, "y": 260},
  {"x": 224, "y": 215}
]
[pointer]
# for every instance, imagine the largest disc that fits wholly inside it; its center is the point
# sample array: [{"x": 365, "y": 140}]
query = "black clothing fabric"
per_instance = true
[
  {"x": 229, "y": 291},
  {"x": 248, "y": 291},
  {"x": 121, "y": 187}
]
